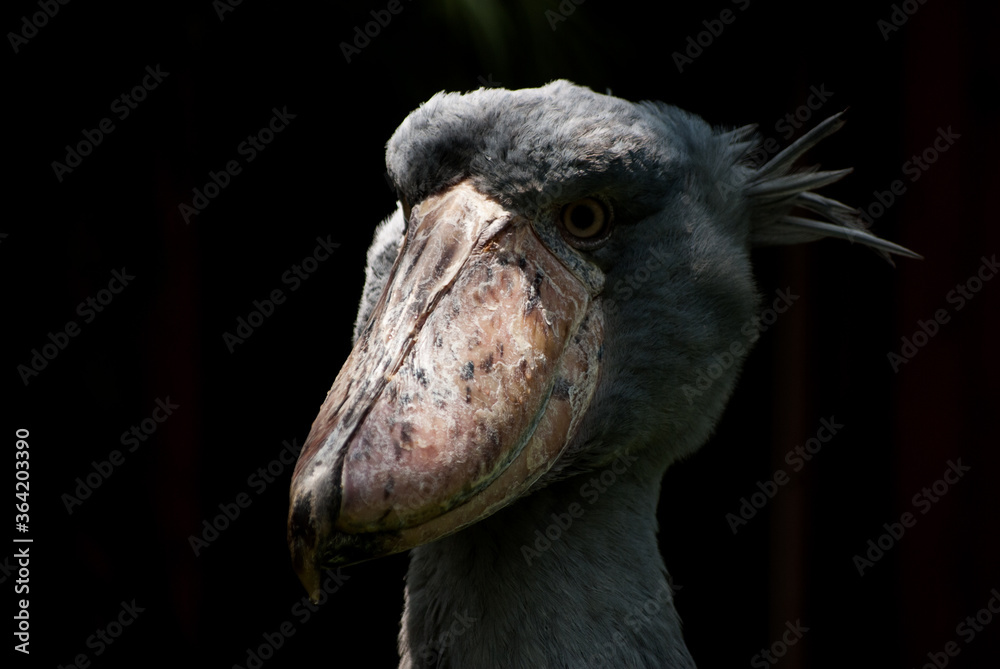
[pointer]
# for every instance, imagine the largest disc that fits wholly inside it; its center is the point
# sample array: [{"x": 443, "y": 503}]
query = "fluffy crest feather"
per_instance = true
[{"x": 774, "y": 191}]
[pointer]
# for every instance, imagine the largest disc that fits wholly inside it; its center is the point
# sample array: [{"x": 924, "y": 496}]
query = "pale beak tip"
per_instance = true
[
  {"x": 311, "y": 581},
  {"x": 302, "y": 544}
]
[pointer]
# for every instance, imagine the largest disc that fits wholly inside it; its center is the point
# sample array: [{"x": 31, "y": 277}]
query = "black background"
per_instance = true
[{"x": 323, "y": 176}]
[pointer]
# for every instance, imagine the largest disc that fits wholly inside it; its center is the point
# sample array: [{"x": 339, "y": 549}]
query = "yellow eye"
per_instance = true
[{"x": 585, "y": 222}]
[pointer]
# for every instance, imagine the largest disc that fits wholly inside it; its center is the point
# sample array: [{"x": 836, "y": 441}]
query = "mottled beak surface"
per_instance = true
[{"x": 466, "y": 384}]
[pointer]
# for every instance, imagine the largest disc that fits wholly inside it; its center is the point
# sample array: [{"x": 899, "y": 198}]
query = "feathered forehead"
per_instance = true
[
  {"x": 536, "y": 146},
  {"x": 511, "y": 142}
]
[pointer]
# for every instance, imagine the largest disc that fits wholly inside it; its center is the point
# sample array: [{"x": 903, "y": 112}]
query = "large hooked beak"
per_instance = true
[{"x": 465, "y": 386}]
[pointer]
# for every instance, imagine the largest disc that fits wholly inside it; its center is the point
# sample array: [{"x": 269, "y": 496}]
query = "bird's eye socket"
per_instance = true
[{"x": 585, "y": 222}]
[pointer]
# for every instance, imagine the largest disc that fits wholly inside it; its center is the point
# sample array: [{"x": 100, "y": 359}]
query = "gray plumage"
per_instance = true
[{"x": 678, "y": 292}]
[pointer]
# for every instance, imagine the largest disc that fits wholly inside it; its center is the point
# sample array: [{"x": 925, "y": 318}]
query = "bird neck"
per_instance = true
[{"x": 570, "y": 575}]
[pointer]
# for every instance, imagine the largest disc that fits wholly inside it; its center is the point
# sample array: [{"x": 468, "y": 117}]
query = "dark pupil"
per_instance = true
[{"x": 582, "y": 217}]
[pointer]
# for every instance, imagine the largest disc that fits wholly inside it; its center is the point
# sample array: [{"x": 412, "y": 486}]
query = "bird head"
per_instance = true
[{"x": 563, "y": 270}]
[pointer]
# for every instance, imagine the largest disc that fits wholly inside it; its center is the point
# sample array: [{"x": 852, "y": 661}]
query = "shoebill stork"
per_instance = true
[{"x": 529, "y": 358}]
